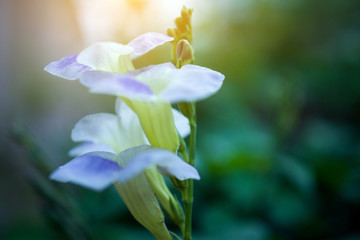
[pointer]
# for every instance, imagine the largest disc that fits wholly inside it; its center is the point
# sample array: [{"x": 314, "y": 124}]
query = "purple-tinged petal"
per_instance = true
[
  {"x": 181, "y": 123},
  {"x": 95, "y": 171},
  {"x": 142, "y": 157},
  {"x": 116, "y": 84},
  {"x": 67, "y": 68},
  {"x": 146, "y": 42},
  {"x": 88, "y": 147},
  {"x": 107, "y": 56},
  {"x": 171, "y": 165},
  {"x": 191, "y": 83}
]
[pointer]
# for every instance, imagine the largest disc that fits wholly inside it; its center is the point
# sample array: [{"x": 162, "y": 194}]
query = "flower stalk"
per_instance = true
[
  {"x": 188, "y": 193},
  {"x": 183, "y": 54}
]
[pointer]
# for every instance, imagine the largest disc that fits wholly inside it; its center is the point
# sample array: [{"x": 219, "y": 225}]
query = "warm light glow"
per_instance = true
[{"x": 122, "y": 20}]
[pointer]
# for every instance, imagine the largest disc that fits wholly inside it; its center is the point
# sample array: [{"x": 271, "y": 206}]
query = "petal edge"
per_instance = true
[
  {"x": 146, "y": 42},
  {"x": 67, "y": 68}
]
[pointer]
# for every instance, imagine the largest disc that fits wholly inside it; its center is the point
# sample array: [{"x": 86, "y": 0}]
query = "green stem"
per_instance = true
[
  {"x": 192, "y": 139},
  {"x": 188, "y": 198},
  {"x": 188, "y": 193},
  {"x": 182, "y": 150}
]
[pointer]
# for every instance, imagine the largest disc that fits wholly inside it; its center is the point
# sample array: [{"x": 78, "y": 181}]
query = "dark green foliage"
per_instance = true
[{"x": 280, "y": 143}]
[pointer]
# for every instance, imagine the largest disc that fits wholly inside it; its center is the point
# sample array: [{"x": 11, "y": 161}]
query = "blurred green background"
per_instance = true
[{"x": 278, "y": 146}]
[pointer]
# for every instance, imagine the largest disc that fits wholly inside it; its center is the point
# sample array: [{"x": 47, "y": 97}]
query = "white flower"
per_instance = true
[
  {"x": 106, "y": 67},
  {"x": 115, "y": 151},
  {"x": 150, "y": 91}
]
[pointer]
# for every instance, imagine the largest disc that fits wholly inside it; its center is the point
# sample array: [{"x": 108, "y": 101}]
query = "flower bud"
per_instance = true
[
  {"x": 186, "y": 15},
  {"x": 183, "y": 30},
  {"x": 184, "y": 53},
  {"x": 188, "y": 109},
  {"x": 171, "y": 207},
  {"x": 180, "y": 24}
]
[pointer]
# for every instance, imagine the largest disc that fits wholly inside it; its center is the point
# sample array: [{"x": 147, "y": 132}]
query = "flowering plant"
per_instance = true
[{"x": 132, "y": 148}]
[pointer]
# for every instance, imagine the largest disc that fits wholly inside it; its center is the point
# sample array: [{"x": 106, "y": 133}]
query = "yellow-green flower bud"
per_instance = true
[
  {"x": 165, "y": 197},
  {"x": 184, "y": 53},
  {"x": 183, "y": 30},
  {"x": 188, "y": 109},
  {"x": 186, "y": 15}
]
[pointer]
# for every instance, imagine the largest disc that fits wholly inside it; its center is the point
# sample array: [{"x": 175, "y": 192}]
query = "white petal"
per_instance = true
[
  {"x": 100, "y": 128},
  {"x": 154, "y": 76},
  {"x": 107, "y": 56},
  {"x": 171, "y": 165},
  {"x": 67, "y": 68},
  {"x": 95, "y": 171},
  {"x": 130, "y": 125},
  {"x": 88, "y": 147},
  {"x": 138, "y": 159},
  {"x": 181, "y": 123},
  {"x": 191, "y": 83},
  {"x": 146, "y": 42}
]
